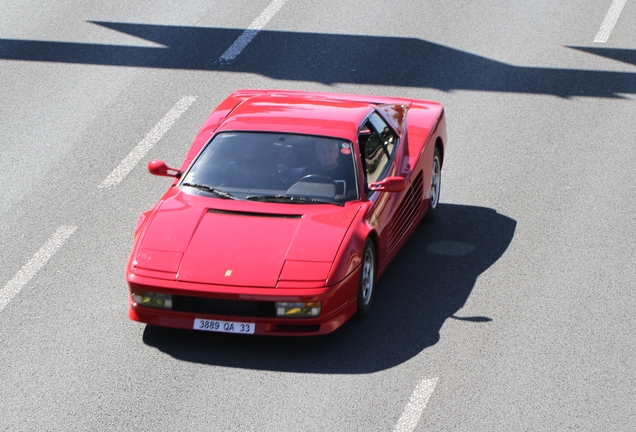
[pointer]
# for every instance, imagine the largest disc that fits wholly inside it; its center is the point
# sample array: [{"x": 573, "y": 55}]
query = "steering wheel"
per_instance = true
[{"x": 315, "y": 178}]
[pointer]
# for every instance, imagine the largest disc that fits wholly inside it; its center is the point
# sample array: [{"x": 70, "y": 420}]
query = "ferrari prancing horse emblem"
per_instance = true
[{"x": 228, "y": 273}]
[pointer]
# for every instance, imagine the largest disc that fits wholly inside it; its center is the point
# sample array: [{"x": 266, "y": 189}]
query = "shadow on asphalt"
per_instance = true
[
  {"x": 427, "y": 283},
  {"x": 330, "y": 59},
  {"x": 619, "y": 54}
]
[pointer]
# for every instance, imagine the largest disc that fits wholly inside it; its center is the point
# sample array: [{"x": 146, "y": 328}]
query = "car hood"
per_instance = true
[{"x": 240, "y": 243}]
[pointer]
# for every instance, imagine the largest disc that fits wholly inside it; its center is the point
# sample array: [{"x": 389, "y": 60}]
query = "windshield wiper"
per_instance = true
[
  {"x": 217, "y": 192},
  {"x": 289, "y": 199}
]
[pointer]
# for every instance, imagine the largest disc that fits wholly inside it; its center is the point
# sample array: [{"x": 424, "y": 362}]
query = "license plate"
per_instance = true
[{"x": 223, "y": 326}]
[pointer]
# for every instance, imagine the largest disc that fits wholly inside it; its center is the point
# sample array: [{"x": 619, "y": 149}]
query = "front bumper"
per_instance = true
[{"x": 338, "y": 305}]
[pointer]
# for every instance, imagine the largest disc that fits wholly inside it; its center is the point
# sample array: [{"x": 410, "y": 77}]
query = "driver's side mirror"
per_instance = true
[
  {"x": 389, "y": 184},
  {"x": 159, "y": 168}
]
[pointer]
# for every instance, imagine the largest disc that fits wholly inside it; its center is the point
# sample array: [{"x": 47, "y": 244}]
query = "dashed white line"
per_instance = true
[
  {"x": 133, "y": 158},
  {"x": 414, "y": 409},
  {"x": 610, "y": 21},
  {"x": 246, "y": 37},
  {"x": 40, "y": 258}
]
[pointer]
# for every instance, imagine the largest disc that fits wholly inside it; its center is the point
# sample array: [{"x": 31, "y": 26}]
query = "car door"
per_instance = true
[{"x": 379, "y": 147}]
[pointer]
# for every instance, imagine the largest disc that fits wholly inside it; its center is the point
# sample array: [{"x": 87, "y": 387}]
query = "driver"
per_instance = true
[{"x": 329, "y": 165}]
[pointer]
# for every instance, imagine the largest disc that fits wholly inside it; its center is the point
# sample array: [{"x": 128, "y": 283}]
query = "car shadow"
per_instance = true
[
  {"x": 330, "y": 59},
  {"x": 428, "y": 282}
]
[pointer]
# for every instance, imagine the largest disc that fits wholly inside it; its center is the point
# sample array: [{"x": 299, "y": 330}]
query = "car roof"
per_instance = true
[{"x": 298, "y": 113}]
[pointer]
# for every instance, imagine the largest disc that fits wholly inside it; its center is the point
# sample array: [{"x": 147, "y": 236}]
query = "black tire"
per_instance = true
[
  {"x": 366, "y": 285},
  {"x": 436, "y": 186}
]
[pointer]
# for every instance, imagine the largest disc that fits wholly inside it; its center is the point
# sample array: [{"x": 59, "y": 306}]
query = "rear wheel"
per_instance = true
[
  {"x": 436, "y": 185},
  {"x": 366, "y": 285}
]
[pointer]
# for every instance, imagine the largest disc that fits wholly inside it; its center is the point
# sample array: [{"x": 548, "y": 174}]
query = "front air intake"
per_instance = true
[{"x": 254, "y": 214}]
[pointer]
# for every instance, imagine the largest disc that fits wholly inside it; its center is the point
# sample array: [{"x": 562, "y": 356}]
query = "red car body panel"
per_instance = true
[{"x": 201, "y": 247}]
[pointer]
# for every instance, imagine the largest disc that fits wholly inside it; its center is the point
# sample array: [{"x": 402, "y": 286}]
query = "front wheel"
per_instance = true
[
  {"x": 436, "y": 185},
  {"x": 367, "y": 279}
]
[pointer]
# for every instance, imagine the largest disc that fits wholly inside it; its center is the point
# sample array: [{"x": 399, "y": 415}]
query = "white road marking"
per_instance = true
[
  {"x": 610, "y": 21},
  {"x": 246, "y": 37},
  {"x": 414, "y": 409},
  {"x": 133, "y": 158},
  {"x": 40, "y": 258}
]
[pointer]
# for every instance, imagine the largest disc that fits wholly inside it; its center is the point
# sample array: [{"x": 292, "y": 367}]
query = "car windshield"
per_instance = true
[{"x": 274, "y": 167}]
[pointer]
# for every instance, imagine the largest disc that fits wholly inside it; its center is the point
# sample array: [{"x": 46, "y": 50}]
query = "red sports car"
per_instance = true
[{"x": 286, "y": 210}]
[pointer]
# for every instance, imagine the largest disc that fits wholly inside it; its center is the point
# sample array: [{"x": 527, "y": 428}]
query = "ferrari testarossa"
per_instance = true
[{"x": 285, "y": 212}]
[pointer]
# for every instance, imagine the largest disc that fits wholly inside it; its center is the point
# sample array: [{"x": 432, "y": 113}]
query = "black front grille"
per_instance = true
[{"x": 211, "y": 306}]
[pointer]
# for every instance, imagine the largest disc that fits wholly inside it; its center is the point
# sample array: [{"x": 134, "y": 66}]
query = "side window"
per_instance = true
[{"x": 377, "y": 143}]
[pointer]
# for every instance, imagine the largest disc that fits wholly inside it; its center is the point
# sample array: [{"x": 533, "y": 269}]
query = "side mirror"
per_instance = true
[
  {"x": 159, "y": 168},
  {"x": 389, "y": 184}
]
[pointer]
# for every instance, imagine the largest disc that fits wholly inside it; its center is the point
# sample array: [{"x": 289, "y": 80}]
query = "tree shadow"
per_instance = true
[
  {"x": 428, "y": 282},
  {"x": 327, "y": 59}
]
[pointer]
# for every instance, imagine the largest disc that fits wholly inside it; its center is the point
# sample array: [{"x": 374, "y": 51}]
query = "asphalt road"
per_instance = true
[{"x": 514, "y": 310}]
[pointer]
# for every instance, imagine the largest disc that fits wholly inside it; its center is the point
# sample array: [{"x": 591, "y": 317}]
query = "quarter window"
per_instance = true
[{"x": 377, "y": 143}]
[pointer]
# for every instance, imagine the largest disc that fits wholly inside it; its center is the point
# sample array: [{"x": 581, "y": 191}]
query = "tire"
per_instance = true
[
  {"x": 436, "y": 186},
  {"x": 366, "y": 285}
]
